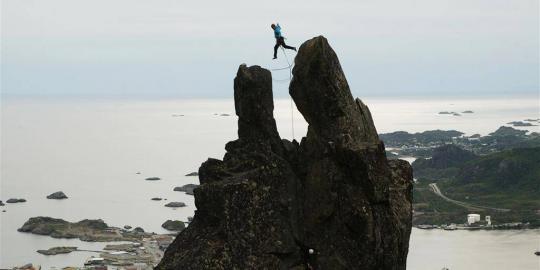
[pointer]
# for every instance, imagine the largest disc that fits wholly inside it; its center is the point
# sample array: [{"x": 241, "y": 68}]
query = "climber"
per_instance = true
[{"x": 280, "y": 40}]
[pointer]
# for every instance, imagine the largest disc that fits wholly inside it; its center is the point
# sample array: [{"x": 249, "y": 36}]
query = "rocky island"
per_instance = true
[
  {"x": 57, "y": 250},
  {"x": 15, "y": 200},
  {"x": 173, "y": 225},
  {"x": 59, "y": 195},
  {"x": 332, "y": 201},
  {"x": 91, "y": 230}
]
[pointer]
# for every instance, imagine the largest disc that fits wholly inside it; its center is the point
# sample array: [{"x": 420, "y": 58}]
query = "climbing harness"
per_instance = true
[{"x": 289, "y": 67}]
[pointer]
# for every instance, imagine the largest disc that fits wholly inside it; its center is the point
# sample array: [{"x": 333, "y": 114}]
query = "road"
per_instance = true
[{"x": 438, "y": 192}]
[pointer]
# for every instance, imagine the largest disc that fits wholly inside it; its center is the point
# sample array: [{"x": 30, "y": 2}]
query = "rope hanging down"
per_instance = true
[{"x": 289, "y": 66}]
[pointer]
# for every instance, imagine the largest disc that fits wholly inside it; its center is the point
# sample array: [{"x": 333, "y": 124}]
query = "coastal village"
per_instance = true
[{"x": 475, "y": 222}]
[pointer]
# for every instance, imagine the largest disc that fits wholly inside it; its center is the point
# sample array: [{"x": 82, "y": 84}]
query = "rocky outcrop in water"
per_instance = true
[
  {"x": 332, "y": 201},
  {"x": 175, "y": 204},
  {"x": 91, "y": 230},
  {"x": 14, "y": 200},
  {"x": 188, "y": 189},
  {"x": 173, "y": 225},
  {"x": 59, "y": 195},
  {"x": 57, "y": 250}
]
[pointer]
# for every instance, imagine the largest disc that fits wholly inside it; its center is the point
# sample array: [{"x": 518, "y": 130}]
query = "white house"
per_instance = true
[{"x": 473, "y": 218}]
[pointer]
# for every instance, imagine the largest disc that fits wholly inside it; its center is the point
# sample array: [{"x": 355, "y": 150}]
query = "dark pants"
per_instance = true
[{"x": 280, "y": 41}]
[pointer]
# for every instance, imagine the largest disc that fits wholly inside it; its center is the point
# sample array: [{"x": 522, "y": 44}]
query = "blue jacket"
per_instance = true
[{"x": 277, "y": 31}]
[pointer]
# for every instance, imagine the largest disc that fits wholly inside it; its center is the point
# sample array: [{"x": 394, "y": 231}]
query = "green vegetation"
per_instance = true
[
  {"x": 508, "y": 179},
  {"x": 511, "y": 179},
  {"x": 500, "y": 170}
]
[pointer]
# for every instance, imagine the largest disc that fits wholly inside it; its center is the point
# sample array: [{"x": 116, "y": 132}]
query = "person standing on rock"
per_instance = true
[{"x": 280, "y": 40}]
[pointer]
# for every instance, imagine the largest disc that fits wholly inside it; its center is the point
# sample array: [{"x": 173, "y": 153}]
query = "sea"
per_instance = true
[{"x": 99, "y": 152}]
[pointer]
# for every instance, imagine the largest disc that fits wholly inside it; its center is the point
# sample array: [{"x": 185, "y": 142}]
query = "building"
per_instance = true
[{"x": 473, "y": 218}]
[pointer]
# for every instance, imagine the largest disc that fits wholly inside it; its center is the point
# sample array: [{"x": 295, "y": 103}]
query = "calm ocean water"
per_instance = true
[{"x": 92, "y": 151}]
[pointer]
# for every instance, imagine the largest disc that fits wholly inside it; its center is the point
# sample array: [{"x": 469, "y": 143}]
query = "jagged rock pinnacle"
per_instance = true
[
  {"x": 254, "y": 105},
  {"x": 334, "y": 201},
  {"x": 321, "y": 93}
]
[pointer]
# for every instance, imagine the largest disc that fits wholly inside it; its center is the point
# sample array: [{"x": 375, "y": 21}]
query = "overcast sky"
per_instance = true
[{"x": 176, "y": 48}]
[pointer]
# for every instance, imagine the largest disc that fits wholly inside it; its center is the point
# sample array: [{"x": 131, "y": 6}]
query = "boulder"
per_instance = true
[
  {"x": 152, "y": 179},
  {"x": 175, "y": 204},
  {"x": 188, "y": 189},
  {"x": 332, "y": 201},
  {"x": 59, "y": 195},
  {"x": 13, "y": 200},
  {"x": 173, "y": 225}
]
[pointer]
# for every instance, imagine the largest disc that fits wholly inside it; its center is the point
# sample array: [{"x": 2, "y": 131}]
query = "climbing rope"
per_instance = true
[{"x": 289, "y": 66}]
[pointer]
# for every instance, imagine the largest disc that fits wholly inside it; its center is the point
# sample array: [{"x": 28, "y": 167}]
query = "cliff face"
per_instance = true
[{"x": 331, "y": 202}]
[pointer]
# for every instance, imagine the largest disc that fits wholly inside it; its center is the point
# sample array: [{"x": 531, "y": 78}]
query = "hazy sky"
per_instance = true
[{"x": 178, "y": 48}]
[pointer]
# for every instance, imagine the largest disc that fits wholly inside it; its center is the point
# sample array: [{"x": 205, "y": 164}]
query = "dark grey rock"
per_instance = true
[
  {"x": 192, "y": 174},
  {"x": 332, "y": 201},
  {"x": 153, "y": 178},
  {"x": 188, "y": 189},
  {"x": 16, "y": 200},
  {"x": 59, "y": 195},
  {"x": 138, "y": 230},
  {"x": 175, "y": 204},
  {"x": 156, "y": 199},
  {"x": 127, "y": 227},
  {"x": 174, "y": 225}
]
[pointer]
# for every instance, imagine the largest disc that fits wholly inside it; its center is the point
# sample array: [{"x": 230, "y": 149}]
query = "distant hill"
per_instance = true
[
  {"x": 445, "y": 156},
  {"x": 508, "y": 131},
  {"x": 443, "y": 164},
  {"x": 509, "y": 178}
]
